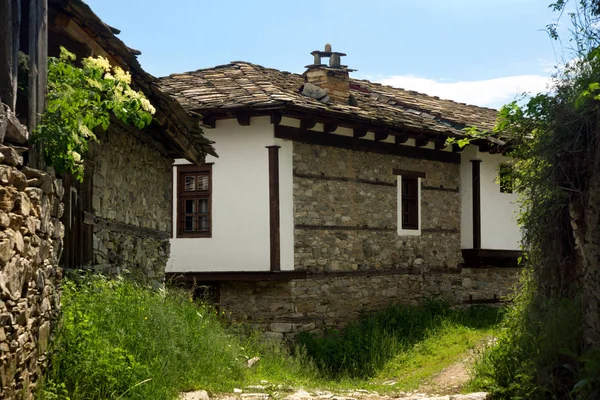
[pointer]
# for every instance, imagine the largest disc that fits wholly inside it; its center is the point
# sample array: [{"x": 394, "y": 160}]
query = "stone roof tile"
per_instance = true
[{"x": 241, "y": 84}]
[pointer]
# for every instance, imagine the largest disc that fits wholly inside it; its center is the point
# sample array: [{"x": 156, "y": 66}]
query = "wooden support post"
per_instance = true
[
  {"x": 38, "y": 72},
  {"x": 10, "y": 23},
  {"x": 476, "y": 187},
  {"x": 274, "y": 208}
]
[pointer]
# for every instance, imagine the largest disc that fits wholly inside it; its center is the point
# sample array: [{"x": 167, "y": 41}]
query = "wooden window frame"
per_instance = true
[
  {"x": 414, "y": 179},
  {"x": 182, "y": 195},
  {"x": 407, "y": 199}
]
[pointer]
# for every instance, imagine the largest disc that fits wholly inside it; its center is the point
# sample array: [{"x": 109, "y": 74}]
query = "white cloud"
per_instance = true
[{"x": 490, "y": 92}]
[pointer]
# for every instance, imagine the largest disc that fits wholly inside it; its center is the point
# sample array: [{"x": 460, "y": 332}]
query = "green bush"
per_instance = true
[
  {"x": 118, "y": 340},
  {"x": 365, "y": 346},
  {"x": 536, "y": 355}
]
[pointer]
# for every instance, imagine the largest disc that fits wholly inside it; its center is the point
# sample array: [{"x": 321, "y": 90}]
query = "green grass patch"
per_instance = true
[
  {"x": 450, "y": 344},
  {"x": 117, "y": 340},
  {"x": 388, "y": 340}
]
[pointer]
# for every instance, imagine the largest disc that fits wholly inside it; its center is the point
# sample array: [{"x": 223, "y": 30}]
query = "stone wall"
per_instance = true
[
  {"x": 310, "y": 305},
  {"x": 132, "y": 197},
  {"x": 345, "y": 209},
  {"x": 30, "y": 245}
]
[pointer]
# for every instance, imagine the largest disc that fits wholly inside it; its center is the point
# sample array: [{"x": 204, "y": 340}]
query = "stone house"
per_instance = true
[
  {"x": 333, "y": 196},
  {"x": 119, "y": 218}
]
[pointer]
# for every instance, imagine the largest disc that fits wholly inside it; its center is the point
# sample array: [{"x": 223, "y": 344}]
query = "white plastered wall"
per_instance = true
[
  {"x": 499, "y": 211},
  {"x": 240, "y": 203}
]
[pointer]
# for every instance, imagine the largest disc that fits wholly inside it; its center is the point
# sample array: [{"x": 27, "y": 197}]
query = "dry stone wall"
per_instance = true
[
  {"x": 30, "y": 245},
  {"x": 132, "y": 195}
]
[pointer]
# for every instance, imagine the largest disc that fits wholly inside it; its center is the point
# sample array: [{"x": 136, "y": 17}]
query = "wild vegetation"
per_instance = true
[
  {"x": 82, "y": 97},
  {"x": 550, "y": 347},
  {"x": 119, "y": 340}
]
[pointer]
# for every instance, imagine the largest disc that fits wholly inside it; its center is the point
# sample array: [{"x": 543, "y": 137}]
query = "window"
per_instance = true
[
  {"x": 409, "y": 201},
  {"x": 194, "y": 202},
  {"x": 506, "y": 178}
]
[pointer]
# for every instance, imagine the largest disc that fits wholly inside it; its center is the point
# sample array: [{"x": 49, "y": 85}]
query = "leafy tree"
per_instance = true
[
  {"x": 556, "y": 152},
  {"x": 81, "y": 99}
]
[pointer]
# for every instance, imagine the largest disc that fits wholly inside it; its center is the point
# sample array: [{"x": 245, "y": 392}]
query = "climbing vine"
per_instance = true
[{"x": 81, "y": 99}]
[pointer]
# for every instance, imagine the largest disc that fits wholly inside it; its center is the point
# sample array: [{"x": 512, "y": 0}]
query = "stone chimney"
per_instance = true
[{"x": 333, "y": 78}]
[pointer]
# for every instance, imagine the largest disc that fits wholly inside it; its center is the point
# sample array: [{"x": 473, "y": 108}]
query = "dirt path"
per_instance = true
[{"x": 445, "y": 385}]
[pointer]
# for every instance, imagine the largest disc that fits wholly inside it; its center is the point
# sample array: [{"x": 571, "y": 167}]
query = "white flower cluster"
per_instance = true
[{"x": 97, "y": 62}]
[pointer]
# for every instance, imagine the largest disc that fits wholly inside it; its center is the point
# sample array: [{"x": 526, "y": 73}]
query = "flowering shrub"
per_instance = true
[{"x": 81, "y": 99}]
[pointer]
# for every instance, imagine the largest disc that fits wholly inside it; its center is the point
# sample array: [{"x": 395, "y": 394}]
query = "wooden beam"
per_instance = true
[
  {"x": 476, "y": 189},
  {"x": 275, "y": 237},
  {"x": 243, "y": 118},
  {"x": 238, "y": 276},
  {"x": 400, "y": 138},
  {"x": 421, "y": 142},
  {"x": 381, "y": 135},
  {"x": 119, "y": 227},
  {"x": 440, "y": 144},
  {"x": 329, "y": 127},
  {"x": 318, "y": 138},
  {"x": 484, "y": 147},
  {"x": 209, "y": 121},
  {"x": 276, "y": 118},
  {"x": 360, "y": 132},
  {"x": 456, "y": 148},
  {"x": 38, "y": 73},
  {"x": 10, "y": 21},
  {"x": 307, "y": 123},
  {"x": 409, "y": 174}
]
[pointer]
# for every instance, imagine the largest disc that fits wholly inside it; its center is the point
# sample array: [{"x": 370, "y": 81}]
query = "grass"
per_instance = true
[
  {"x": 117, "y": 340},
  {"x": 538, "y": 354},
  {"x": 450, "y": 345},
  {"x": 386, "y": 339}
]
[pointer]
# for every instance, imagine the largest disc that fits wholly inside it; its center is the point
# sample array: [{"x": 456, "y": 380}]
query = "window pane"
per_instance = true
[
  {"x": 203, "y": 223},
  {"x": 190, "y": 206},
  {"x": 190, "y": 183},
  {"x": 203, "y": 206},
  {"x": 203, "y": 182},
  {"x": 189, "y": 224}
]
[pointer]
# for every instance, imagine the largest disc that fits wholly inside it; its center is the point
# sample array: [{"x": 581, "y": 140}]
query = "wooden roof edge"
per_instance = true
[{"x": 190, "y": 141}]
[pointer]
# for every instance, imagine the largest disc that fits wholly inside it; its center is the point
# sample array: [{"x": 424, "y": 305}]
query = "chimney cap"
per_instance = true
[{"x": 334, "y": 59}]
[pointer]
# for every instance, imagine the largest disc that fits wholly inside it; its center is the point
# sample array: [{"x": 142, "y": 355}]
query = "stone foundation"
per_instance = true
[
  {"x": 30, "y": 246},
  {"x": 285, "y": 308}
]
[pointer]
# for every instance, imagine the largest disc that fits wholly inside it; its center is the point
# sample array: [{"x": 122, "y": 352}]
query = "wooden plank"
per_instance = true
[
  {"x": 10, "y": 19},
  {"x": 343, "y": 179},
  {"x": 409, "y": 174},
  {"x": 342, "y": 228},
  {"x": 119, "y": 227},
  {"x": 332, "y": 140},
  {"x": 274, "y": 224},
  {"x": 239, "y": 276}
]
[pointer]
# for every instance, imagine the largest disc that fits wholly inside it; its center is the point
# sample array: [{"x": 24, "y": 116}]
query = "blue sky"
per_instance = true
[{"x": 477, "y": 51}]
